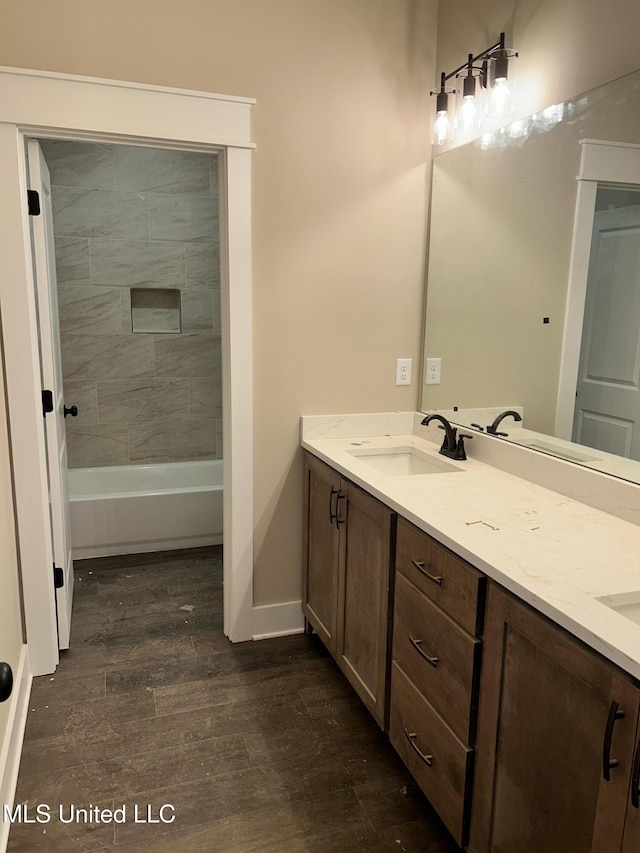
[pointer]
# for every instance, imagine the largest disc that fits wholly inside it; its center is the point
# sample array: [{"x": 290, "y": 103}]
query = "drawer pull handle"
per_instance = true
[
  {"x": 609, "y": 763},
  {"x": 332, "y": 515},
  {"x": 417, "y": 646},
  {"x": 411, "y": 737},
  {"x": 420, "y": 567},
  {"x": 339, "y": 520}
]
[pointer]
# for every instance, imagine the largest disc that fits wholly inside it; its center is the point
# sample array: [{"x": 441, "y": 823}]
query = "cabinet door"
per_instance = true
[
  {"x": 631, "y": 842},
  {"x": 546, "y": 728},
  {"x": 363, "y": 596},
  {"x": 320, "y": 592}
]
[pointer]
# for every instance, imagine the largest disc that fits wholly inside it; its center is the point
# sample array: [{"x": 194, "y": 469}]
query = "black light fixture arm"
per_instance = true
[{"x": 484, "y": 56}]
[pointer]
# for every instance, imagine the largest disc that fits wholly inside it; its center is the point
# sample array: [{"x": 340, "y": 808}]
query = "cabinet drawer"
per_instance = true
[
  {"x": 439, "y": 657},
  {"x": 454, "y": 585},
  {"x": 438, "y": 761}
]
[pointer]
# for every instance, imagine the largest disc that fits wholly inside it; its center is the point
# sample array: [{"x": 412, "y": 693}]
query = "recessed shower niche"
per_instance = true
[{"x": 155, "y": 311}]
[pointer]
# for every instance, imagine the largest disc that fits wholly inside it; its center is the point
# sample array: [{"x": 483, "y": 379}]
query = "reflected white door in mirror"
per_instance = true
[
  {"x": 599, "y": 391},
  {"x": 506, "y": 315}
]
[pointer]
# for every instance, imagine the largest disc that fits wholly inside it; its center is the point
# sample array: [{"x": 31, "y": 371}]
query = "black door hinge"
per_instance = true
[
  {"x": 33, "y": 198},
  {"x": 47, "y": 402},
  {"x": 58, "y": 577}
]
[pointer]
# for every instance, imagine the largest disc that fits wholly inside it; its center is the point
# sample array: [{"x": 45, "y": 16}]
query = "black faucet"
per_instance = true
[
  {"x": 453, "y": 445},
  {"x": 493, "y": 428}
]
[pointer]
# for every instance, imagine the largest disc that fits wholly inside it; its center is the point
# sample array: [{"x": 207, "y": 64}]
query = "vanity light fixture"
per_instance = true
[
  {"x": 490, "y": 69},
  {"x": 442, "y": 129}
]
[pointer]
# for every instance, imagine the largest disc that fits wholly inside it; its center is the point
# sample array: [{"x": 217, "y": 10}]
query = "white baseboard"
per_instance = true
[
  {"x": 12, "y": 748},
  {"x": 118, "y": 550},
  {"x": 277, "y": 620}
]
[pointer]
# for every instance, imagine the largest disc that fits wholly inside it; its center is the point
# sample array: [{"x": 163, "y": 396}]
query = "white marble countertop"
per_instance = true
[{"x": 555, "y": 553}]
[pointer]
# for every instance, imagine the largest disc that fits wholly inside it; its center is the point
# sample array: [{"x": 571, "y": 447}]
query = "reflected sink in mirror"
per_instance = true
[
  {"x": 627, "y": 604},
  {"x": 403, "y": 461},
  {"x": 570, "y": 453}
]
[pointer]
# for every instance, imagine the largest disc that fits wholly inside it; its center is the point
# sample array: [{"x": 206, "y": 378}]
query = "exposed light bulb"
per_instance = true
[
  {"x": 468, "y": 116},
  {"x": 442, "y": 128},
  {"x": 500, "y": 100}
]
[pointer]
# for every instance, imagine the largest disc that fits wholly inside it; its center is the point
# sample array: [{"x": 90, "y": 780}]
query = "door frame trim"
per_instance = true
[
  {"x": 601, "y": 161},
  {"x": 39, "y": 104}
]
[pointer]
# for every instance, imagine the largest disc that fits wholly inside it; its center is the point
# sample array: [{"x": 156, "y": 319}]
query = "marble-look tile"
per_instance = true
[
  {"x": 203, "y": 264},
  {"x": 186, "y": 218},
  {"x": 219, "y": 439},
  {"x": 94, "y": 445},
  {"x": 106, "y": 356},
  {"x": 89, "y": 310},
  {"x": 161, "y": 171},
  {"x": 82, "y": 393},
  {"x": 125, "y": 263},
  {"x": 131, "y": 400},
  {"x": 79, "y": 212},
  {"x": 214, "y": 185},
  {"x": 172, "y": 441},
  {"x": 197, "y": 311},
  {"x": 205, "y": 397},
  {"x": 125, "y": 305},
  {"x": 217, "y": 312},
  {"x": 79, "y": 164},
  {"x": 187, "y": 355},
  {"x": 73, "y": 264}
]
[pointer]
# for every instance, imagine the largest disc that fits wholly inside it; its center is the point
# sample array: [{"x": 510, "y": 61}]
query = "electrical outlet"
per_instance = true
[
  {"x": 403, "y": 371},
  {"x": 432, "y": 373}
]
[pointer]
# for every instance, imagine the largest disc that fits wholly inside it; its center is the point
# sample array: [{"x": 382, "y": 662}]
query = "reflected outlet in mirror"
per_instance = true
[{"x": 403, "y": 461}]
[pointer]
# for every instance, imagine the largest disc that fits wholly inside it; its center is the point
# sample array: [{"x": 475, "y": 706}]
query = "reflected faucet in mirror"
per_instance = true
[
  {"x": 492, "y": 429},
  {"x": 453, "y": 444}
]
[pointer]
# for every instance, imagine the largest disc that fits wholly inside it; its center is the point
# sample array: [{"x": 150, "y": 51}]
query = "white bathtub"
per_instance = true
[{"x": 130, "y": 509}]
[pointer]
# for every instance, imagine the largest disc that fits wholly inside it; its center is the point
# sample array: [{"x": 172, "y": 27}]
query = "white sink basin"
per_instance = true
[
  {"x": 555, "y": 449},
  {"x": 403, "y": 461},
  {"x": 627, "y": 604}
]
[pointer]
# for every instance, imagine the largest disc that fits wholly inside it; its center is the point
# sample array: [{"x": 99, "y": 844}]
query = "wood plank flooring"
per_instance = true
[{"x": 257, "y": 746}]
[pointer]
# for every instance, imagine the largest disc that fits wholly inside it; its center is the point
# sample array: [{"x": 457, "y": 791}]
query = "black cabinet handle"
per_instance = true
[
  {"x": 332, "y": 515},
  {"x": 417, "y": 646},
  {"x": 635, "y": 779},
  {"x": 73, "y": 411},
  {"x": 411, "y": 737},
  {"x": 339, "y": 520},
  {"x": 609, "y": 763},
  {"x": 420, "y": 567},
  {"x": 6, "y": 681}
]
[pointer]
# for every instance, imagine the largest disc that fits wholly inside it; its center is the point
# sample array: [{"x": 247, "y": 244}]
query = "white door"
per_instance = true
[
  {"x": 50, "y": 361},
  {"x": 607, "y": 411}
]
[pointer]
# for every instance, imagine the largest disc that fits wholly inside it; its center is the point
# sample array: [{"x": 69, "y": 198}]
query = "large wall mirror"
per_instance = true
[{"x": 508, "y": 252}]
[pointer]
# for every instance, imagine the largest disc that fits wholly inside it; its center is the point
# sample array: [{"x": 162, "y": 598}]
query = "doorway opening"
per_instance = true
[
  {"x": 127, "y": 257},
  {"x": 51, "y": 106}
]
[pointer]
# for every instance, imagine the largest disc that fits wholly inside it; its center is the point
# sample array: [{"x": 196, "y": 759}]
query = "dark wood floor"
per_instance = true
[{"x": 258, "y": 746}]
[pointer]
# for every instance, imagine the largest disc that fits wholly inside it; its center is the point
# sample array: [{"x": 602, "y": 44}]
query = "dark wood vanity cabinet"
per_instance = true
[
  {"x": 348, "y": 550},
  {"x": 557, "y": 736},
  {"x": 522, "y": 738},
  {"x": 439, "y": 603}
]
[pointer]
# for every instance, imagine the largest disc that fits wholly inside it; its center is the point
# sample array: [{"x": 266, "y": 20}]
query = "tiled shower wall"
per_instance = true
[{"x": 137, "y": 218}]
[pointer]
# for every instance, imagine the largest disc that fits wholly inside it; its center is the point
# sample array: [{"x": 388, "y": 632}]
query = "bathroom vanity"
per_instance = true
[{"x": 488, "y": 624}]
